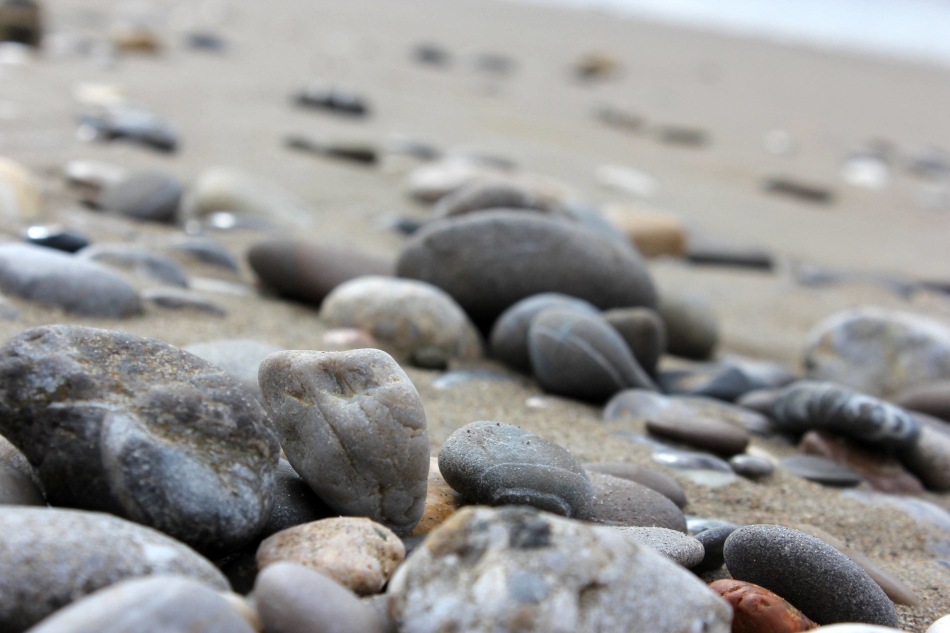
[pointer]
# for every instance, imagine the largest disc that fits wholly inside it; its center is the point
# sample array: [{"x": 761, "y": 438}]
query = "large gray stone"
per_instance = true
[{"x": 141, "y": 429}]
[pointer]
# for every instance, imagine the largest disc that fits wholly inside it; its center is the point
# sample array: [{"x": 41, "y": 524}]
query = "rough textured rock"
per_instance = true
[
  {"x": 489, "y": 261},
  {"x": 702, "y": 432},
  {"x": 157, "y": 604},
  {"x": 649, "y": 477},
  {"x": 240, "y": 358},
  {"x": 141, "y": 429},
  {"x": 756, "y": 609},
  {"x": 404, "y": 314},
  {"x": 499, "y": 464},
  {"x": 692, "y": 329},
  {"x": 581, "y": 356},
  {"x": 356, "y": 552},
  {"x": 622, "y": 502},
  {"x": 878, "y": 352},
  {"x": 929, "y": 458},
  {"x": 680, "y": 548},
  {"x": 294, "y": 599},
  {"x": 134, "y": 260},
  {"x": 644, "y": 332},
  {"x": 353, "y": 426},
  {"x": 503, "y": 569},
  {"x": 149, "y": 195},
  {"x": 49, "y": 276},
  {"x": 878, "y": 468},
  {"x": 441, "y": 501},
  {"x": 52, "y": 557},
  {"x": 825, "y": 584}
]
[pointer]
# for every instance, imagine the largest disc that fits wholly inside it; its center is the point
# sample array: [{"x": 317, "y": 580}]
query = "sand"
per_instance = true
[{"x": 233, "y": 109}]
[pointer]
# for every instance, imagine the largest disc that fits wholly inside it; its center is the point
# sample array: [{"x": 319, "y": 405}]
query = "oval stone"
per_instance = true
[
  {"x": 621, "y": 502},
  {"x": 152, "y": 196},
  {"x": 821, "y": 470},
  {"x": 489, "y": 261},
  {"x": 692, "y": 330},
  {"x": 644, "y": 332},
  {"x": 713, "y": 540},
  {"x": 702, "y": 432},
  {"x": 499, "y": 464},
  {"x": 649, "y": 477},
  {"x": 490, "y": 194},
  {"x": 680, "y": 548}
]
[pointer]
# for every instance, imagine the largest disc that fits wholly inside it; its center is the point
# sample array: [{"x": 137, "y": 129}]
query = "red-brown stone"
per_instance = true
[
  {"x": 882, "y": 471},
  {"x": 758, "y": 610}
]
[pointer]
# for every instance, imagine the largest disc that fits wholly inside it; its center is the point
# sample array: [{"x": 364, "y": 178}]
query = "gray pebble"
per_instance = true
[
  {"x": 488, "y": 194},
  {"x": 208, "y": 251},
  {"x": 644, "y": 332},
  {"x": 713, "y": 541},
  {"x": 692, "y": 329},
  {"x": 711, "y": 380},
  {"x": 137, "y": 261},
  {"x": 150, "y": 195},
  {"x": 240, "y": 358},
  {"x": 173, "y": 299},
  {"x": 701, "y": 432},
  {"x": 680, "y": 548},
  {"x": 649, "y": 477},
  {"x": 821, "y": 470},
  {"x": 621, "y": 502},
  {"x": 751, "y": 466}
]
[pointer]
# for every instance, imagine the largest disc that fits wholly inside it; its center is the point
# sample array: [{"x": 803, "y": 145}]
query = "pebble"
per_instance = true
[
  {"x": 706, "y": 251},
  {"x": 654, "y": 234},
  {"x": 929, "y": 458},
  {"x": 168, "y": 440},
  {"x": 91, "y": 177},
  {"x": 346, "y": 339},
  {"x": 137, "y": 261},
  {"x": 878, "y": 352},
  {"x": 56, "y": 237},
  {"x": 309, "y": 272},
  {"x": 825, "y": 584},
  {"x": 320, "y": 96},
  {"x": 752, "y": 466},
  {"x": 704, "y": 469},
  {"x": 692, "y": 329},
  {"x": 931, "y": 398},
  {"x": 406, "y": 315},
  {"x": 17, "y": 489},
  {"x": 706, "y": 433},
  {"x": 354, "y": 427},
  {"x": 20, "y": 193},
  {"x": 295, "y": 599},
  {"x": 484, "y": 262},
  {"x": 83, "y": 287},
  {"x": 207, "y": 251},
  {"x": 680, "y": 548},
  {"x": 156, "y": 604},
  {"x": 482, "y": 195},
  {"x": 644, "y": 332},
  {"x": 135, "y": 125},
  {"x": 150, "y": 196},
  {"x": 626, "y": 180},
  {"x": 755, "y": 608},
  {"x": 821, "y": 470},
  {"x": 940, "y": 626},
  {"x": 172, "y": 299},
  {"x": 698, "y": 525},
  {"x": 881, "y": 470},
  {"x": 799, "y": 190},
  {"x": 509, "y": 335},
  {"x": 499, "y": 464},
  {"x": 21, "y": 21},
  {"x": 649, "y": 477},
  {"x": 713, "y": 540},
  {"x": 441, "y": 501},
  {"x": 239, "y": 358},
  {"x": 712, "y": 380},
  {"x": 431, "y": 55},
  {"x": 621, "y": 502},
  {"x": 434, "y": 180},
  {"x": 351, "y": 151},
  {"x": 581, "y": 356},
  {"x": 294, "y": 502},
  {"x": 640, "y": 404},
  {"x": 223, "y": 189},
  {"x": 356, "y": 552},
  {"x": 51, "y": 557},
  {"x": 499, "y": 569}
]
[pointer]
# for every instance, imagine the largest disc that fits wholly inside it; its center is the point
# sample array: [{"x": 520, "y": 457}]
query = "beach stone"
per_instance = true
[
  {"x": 239, "y": 358},
  {"x": 89, "y": 178},
  {"x": 441, "y": 501},
  {"x": 232, "y": 190},
  {"x": 705, "y": 251},
  {"x": 710, "y": 380},
  {"x": 644, "y": 332},
  {"x": 641, "y": 404},
  {"x": 713, "y": 540},
  {"x": 932, "y": 398},
  {"x": 157, "y": 604},
  {"x": 17, "y": 489},
  {"x": 649, "y": 477},
  {"x": 878, "y": 352},
  {"x": 432, "y": 181},
  {"x": 56, "y": 237},
  {"x": 486, "y": 194},
  {"x": 134, "y": 260},
  {"x": 698, "y": 525},
  {"x": 127, "y": 123},
  {"x": 751, "y": 466},
  {"x": 929, "y": 458},
  {"x": 581, "y": 356},
  {"x": 295, "y": 599},
  {"x": 353, "y": 426},
  {"x": 51, "y": 557},
  {"x": 692, "y": 329},
  {"x": 173, "y": 299},
  {"x": 356, "y": 552},
  {"x": 151, "y": 196},
  {"x": 207, "y": 251},
  {"x": 881, "y": 470},
  {"x": 823, "y": 583},
  {"x": 499, "y": 464},
  {"x": 489, "y": 261},
  {"x": 83, "y": 287},
  {"x": 680, "y": 548},
  {"x": 940, "y": 626},
  {"x": 408, "y": 316},
  {"x": 20, "y": 195},
  {"x": 294, "y": 502},
  {"x": 620, "y": 502},
  {"x": 331, "y": 98},
  {"x": 308, "y": 272},
  {"x": 346, "y": 339},
  {"x": 504, "y": 569},
  {"x": 702, "y": 432},
  {"x": 654, "y": 234},
  {"x": 821, "y": 470},
  {"x": 139, "y": 428},
  {"x": 756, "y": 609},
  {"x": 509, "y": 334},
  {"x": 11, "y": 456}
]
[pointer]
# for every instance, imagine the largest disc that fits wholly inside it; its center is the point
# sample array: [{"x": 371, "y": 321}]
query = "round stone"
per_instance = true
[
  {"x": 152, "y": 196},
  {"x": 825, "y": 584},
  {"x": 692, "y": 329},
  {"x": 821, "y": 470},
  {"x": 644, "y": 332},
  {"x": 621, "y": 502},
  {"x": 751, "y": 466},
  {"x": 756, "y": 608},
  {"x": 680, "y": 548},
  {"x": 649, "y": 477},
  {"x": 499, "y": 464},
  {"x": 702, "y": 432}
]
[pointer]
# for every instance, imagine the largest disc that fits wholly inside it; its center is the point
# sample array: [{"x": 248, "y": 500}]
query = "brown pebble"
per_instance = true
[
  {"x": 700, "y": 431},
  {"x": 441, "y": 501},
  {"x": 758, "y": 610}
]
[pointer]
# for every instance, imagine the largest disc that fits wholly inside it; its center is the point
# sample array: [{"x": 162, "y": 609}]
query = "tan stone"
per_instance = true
[
  {"x": 653, "y": 233},
  {"x": 356, "y": 552},
  {"x": 20, "y": 194},
  {"x": 441, "y": 501}
]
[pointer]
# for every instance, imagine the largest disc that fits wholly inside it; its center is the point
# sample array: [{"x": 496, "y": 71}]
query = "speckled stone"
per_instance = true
[
  {"x": 356, "y": 552},
  {"x": 499, "y": 464},
  {"x": 644, "y": 332},
  {"x": 825, "y": 584},
  {"x": 353, "y": 426},
  {"x": 756, "y": 609},
  {"x": 441, "y": 501},
  {"x": 52, "y": 557},
  {"x": 680, "y": 548},
  {"x": 488, "y": 570},
  {"x": 622, "y": 502},
  {"x": 649, "y": 477},
  {"x": 713, "y": 541}
]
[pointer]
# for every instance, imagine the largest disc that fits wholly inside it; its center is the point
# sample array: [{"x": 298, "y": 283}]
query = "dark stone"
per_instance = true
[
  {"x": 330, "y": 99},
  {"x": 702, "y": 432},
  {"x": 879, "y": 469},
  {"x": 751, "y": 466},
  {"x": 56, "y": 237},
  {"x": 21, "y": 21},
  {"x": 805, "y": 192},
  {"x": 722, "y": 382},
  {"x": 692, "y": 329},
  {"x": 622, "y": 502},
  {"x": 821, "y": 470},
  {"x": 644, "y": 332},
  {"x": 713, "y": 540},
  {"x": 208, "y": 252},
  {"x": 294, "y": 502},
  {"x": 130, "y": 124},
  {"x": 151, "y": 196},
  {"x": 17, "y": 489},
  {"x": 709, "y": 252},
  {"x": 652, "y": 479},
  {"x": 431, "y": 55}
]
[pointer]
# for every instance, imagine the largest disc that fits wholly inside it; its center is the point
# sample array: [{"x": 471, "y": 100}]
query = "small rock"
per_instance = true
[
  {"x": 208, "y": 252},
  {"x": 432, "y": 181},
  {"x": 309, "y": 272},
  {"x": 499, "y": 464},
  {"x": 652, "y": 479},
  {"x": 692, "y": 330},
  {"x": 320, "y": 96},
  {"x": 621, "y": 502},
  {"x": 17, "y": 489},
  {"x": 931, "y": 398},
  {"x": 91, "y": 177},
  {"x": 682, "y": 135},
  {"x": 597, "y": 66},
  {"x": 680, "y": 548},
  {"x": 206, "y": 41},
  {"x": 503, "y": 569},
  {"x": 640, "y": 404},
  {"x": 878, "y": 352},
  {"x": 581, "y": 356},
  {"x": 353, "y": 426},
  {"x": 294, "y": 599},
  {"x": 821, "y": 581},
  {"x": 431, "y": 55},
  {"x": 698, "y": 525},
  {"x": 134, "y": 36},
  {"x": 409, "y": 316},
  {"x": 713, "y": 540},
  {"x": 486, "y": 194},
  {"x": 940, "y": 626},
  {"x": 157, "y": 604},
  {"x": 239, "y": 358},
  {"x": 881, "y": 470},
  {"x": 52, "y": 557},
  {"x": 441, "y": 501},
  {"x": 20, "y": 193},
  {"x": 702, "y": 432},
  {"x": 347, "y": 339},
  {"x": 182, "y": 300},
  {"x": 654, "y": 234},
  {"x": 706, "y": 251},
  {"x": 223, "y": 189},
  {"x": 294, "y": 502},
  {"x": 751, "y": 466},
  {"x": 821, "y": 470},
  {"x": 356, "y": 552},
  {"x": 56, "y": 237},
  {"x": 712, "y": 380},
  {"x": 84, "y": 287},
  {"x": 799, "y": 190},
  {"x": 151, "y": 196},
  {"x": 21, "y": 21},
  {"x": 135, "y": 125},
  {"x": 755, "y": 608},
  {"x": 644, "y": 332},
  {"x": 351, "y": 151},
  {"x": 134, "y": 260},
  {"x": 929, "y": 458},
  {"x": 704, "y": 469}
]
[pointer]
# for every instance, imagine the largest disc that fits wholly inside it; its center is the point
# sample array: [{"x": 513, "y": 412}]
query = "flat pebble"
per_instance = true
[
  {"x": 174, "y": 299},
  {"x": 499, "y": 464},
  {"x": 751, "y": 466},
  {"x": 353, "y": 426},
  {"x": 641, "y": 404},
  {"x": 755, "y": 608},
  {"x": 134, "y": 260},
  {"x": 621, "y": 502},
  {"x": 649, "y": 477},
  {"x": 56, "y": 237},
  {"x": 207, "y": 251},
  {"x": 692, "y": 329},
  {"x": 680, "y": 548},
  {"x": 713, "y": 540},
  {"x": 879, "y": 468},
  {"x": 491, "y": 194},
  {"x": 705, "y": 433},
  {"x": 356, "y": 552},
  {"x": 152, "y": 196},
  {"x": 644, "y": 332},
  {"x": 821, "y": 470}
]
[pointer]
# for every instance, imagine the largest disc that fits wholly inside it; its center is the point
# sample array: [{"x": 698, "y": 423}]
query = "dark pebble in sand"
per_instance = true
[
  {"x": 692, "y": 329},
  {"x": 713, "y": 540},
  {"x": 622, "y": 502},
  {"x": 722, "y": 382},
  {"x": 751, "y": 466},
  {"x": 702, "y": 432},
  {"x": 56, "y": 237},
  {"x": 644, "y": 332},
  {"x": 821, "y": 470}
]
